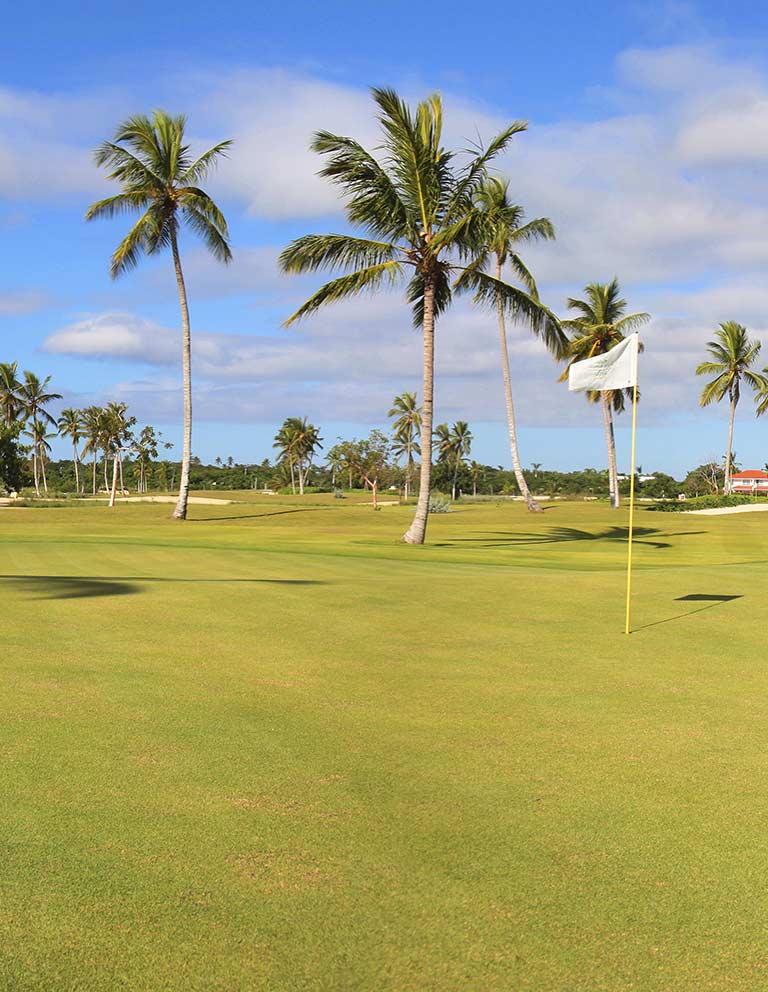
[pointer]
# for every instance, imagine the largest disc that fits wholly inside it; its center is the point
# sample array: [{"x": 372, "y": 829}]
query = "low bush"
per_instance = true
[
  {"x": 704, "y": 503},
  {"x": 439, "y": 503}
]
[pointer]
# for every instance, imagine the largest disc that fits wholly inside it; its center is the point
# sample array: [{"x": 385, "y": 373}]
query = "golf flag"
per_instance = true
[{"x": 616, "y": 369}]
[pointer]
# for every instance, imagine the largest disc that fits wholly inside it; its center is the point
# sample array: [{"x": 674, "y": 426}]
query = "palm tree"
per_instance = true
[
  {"x": 505, "y": 230},
  {"x": 11, "y": 407},
  {"x": 601, "y": 324},
  {"x": 33, "y": 398},
  {"x": 70, "y": 424},
  {"x": 476, "y": 473},
  {"x": 405, "y": 429},
  {"x": 460, "y": 442},
  {"x": 307, "y": 443},
  {"x": 36, "y": 429},
  {"x": 285, "y": 442},
  {"x": 93, "y": 432},
  {"x": 118, "y": 436},
  {"x": 417, "y": 214},
  {"x": 732, "y": 354},
  {"x": 160, "y": 179},
  {"x": 146, "y": 447}
]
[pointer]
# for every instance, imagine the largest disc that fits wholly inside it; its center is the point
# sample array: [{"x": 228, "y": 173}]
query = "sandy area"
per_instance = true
[
  {"x": 749, "y": 508},
  {"x": 164, "y": 499}
]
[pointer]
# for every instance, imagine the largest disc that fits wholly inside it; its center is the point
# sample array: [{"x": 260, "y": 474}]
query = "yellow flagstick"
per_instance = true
[{"x": 628, "y": 626}]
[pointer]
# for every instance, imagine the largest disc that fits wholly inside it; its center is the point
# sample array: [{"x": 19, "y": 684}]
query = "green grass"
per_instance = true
[{"x": 273, "y": 749}]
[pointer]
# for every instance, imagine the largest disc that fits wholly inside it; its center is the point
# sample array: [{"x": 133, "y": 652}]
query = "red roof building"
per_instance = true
[{"x": 753, "y": 482}]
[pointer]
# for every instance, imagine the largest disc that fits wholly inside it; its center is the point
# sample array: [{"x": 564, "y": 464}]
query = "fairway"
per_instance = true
[{"x": 274, "y": 749}]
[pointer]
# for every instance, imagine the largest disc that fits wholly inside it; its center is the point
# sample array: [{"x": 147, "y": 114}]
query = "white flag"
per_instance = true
[{"x": 616, "y": 369}]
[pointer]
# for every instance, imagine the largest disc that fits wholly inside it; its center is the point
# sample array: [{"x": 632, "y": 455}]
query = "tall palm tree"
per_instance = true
[
  {"x": 38, "y": 432},
  {"x": 285, "y": 442},
  {"x": 732, "y": 355},
  {"x": 307, "y": 443},
  {"x": 461, "y": 443},
  {"x": 117, "y": 430},
  {"x": 93, "y": 432},
  {"x": 505, "y": 230},
  {"x": 70, "y": 424},
  {"x": 34, "y": 398},
  {"x": 417, "y": 214},
  {"x": 405, "y": 428},
  {"x": 11, "y": 407},
  {"x": 159, "y": 179},
  {"x": 602, "y": 323}
]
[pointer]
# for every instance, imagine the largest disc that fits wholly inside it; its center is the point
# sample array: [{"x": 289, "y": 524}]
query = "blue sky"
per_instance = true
[{"x": 647, "y": 147}]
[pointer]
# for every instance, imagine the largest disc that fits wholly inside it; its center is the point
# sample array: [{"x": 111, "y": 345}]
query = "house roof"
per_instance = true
[{"x": 752, "y": 474}]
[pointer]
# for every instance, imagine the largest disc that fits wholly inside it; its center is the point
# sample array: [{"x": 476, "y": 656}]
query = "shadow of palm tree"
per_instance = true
[
  {"x": 559, "y": 535},
  {"x": 85, "y": 587}
]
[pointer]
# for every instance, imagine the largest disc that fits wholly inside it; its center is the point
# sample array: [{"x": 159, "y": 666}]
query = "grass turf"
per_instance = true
[{"x": 274, "y": 749}]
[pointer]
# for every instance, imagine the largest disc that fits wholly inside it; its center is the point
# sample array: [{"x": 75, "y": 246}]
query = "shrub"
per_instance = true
[
  {"x": 439, "y": 503},
  {"x": 338, "y": 494},
  {"x": 705, "y": 503}
]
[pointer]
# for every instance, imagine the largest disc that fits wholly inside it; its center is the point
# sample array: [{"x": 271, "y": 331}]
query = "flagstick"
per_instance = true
[{"x": 628, "y": 626}]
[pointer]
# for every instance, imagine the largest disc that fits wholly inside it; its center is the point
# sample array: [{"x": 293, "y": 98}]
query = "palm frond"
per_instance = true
[
  {"x": 519, "y": 305},
  {"x": 328, "y": 251},
  {"x": 370, "y": 278}
]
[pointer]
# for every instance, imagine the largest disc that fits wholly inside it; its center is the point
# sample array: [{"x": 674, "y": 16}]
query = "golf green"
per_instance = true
[{"x": 272, "y": 748}]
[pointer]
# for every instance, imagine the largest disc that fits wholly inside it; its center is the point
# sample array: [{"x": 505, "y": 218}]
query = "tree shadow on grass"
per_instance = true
[
  {"x": 710, "y": 599},
  {"x": 255, "y": 516},
  {"x": 560, "y": 535},
  {"x": 88, "y": 587}
]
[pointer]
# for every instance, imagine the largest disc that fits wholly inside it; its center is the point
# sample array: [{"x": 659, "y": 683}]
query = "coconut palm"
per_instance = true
[
  {"x": 306, "y": 445},
  {"x": 461, "y": 443},
  {"x": 117, "y": 439},
  {"x": 159, "y": 179},
  {"x": 70, "y": 424},
  {"x": 285, "y": 442},
  {"x": 94, "y": 424},
  {"x": 146, "y": 448},
  {"x": 11, "y": 407},
  {"x": 732, "y": 355},
  {"x": 602, "y": 323},
  {"x": 405, "y": 429},
  {"x": 505, "y": 230},
  {"x": 37, "y": 430},
  {"x": 33, "y": 397},
  {"x": 416, "y": 211}
]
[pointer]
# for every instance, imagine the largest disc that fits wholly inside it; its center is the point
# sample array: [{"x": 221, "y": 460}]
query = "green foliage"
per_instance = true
[
  {"x": 159, "y": 179},
  {"x": 438, "y": 503},
  {"x": 12, "y": 454},
  {"x": 705, "y": 503}
]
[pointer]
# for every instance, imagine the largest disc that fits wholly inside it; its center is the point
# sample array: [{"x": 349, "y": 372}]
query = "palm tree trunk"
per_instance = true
[
  {"x": 77, "y": 470},
  {"x": 35, "y": 472},
  {"x": 122, "y": 483},
  {"x": 113, "y": 491},
  {"x": 731, "y": 419},
  {"x": 180, "y": 512},
  {"x": 373, "y": 491},
  {"x": 418, "y": 529},
  {"x": 293, "y": 477},
  {"x": 517, "y": 468},
  {"x": 94, "y": 473},
  {"x": 610, "y": 440},
  {"x": 42, "y": 469},
  {"x": 455, "y": 476},
  {"x": 105, "y": 466},
  {"x": 301, "y": 478},
  {"x": 408, "y": 468}
]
